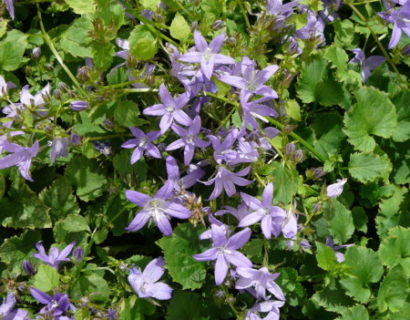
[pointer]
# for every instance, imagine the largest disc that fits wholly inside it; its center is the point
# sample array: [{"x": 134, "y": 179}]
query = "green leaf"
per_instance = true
[
  {"x": 313, "y": 72},
  {"x": 401, "y": 101},
  {"x": 75, "y": 223},
  {"x": 143, "y": 45},
  {"x": 328, "y": 131},
  {"x": 365, "y": 268},
  {"x": 46, "y": 278},
  {"x": 395, "y": 249},
  {"x": 337, "y": 56},
  {"x": 178, "y": 250},
  {"x": 373, "y": 114},
  {"x": 75, "y": 40},
  {"x": 360, "y": 219},
  {"x": 94, "y": 286},
  {"x": 12, "y": 50},
  {"x": 326, "y": 257},
  {"x": 332, "y": 299},
  {"x": 81, "y": 6},
  {"x": 358, "y": 312},
  {"x": 179, "y": 28},
  {"x": 369, "y": 167},
  {"x": 150, "y": 4},
  {"x": 288, "y": 180},
  {"x": 329, "y": 93},
  {"x": 86, "y": 178},
  {"x": 23, "y": 209},
  {"x": 293, "y": 109},
  {"x": 187, "y": 306},
  {"x": 18, "y": 248},
  {"x": 126, "y": 113},
  {"x": 340, "y": 221},
  {"x": 60, "y": 199},
  {"x": 103, "y": 54},
  {"x": 393, "y": 291}
]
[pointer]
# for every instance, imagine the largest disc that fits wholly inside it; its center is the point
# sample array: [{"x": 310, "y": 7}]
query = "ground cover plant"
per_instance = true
[{"x": 218, "y": 159}]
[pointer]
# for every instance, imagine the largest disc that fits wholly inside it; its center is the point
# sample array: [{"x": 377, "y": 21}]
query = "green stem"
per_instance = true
[
  {"x": 151, "y": 26},
  {"x": 244, "y": 13},
  {"x": 379, "y": 44},
  {"x": 53, "y": 49}
]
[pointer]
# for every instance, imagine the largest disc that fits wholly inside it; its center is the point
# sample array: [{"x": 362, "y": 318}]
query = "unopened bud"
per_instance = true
[
  {"x": 28, "y": 267},
  {"x": 36, "y": 53},
  {"x": 83, "y": 73},
  {"x": 79, "y": 105},
  {"x": 78, "y": 254}
]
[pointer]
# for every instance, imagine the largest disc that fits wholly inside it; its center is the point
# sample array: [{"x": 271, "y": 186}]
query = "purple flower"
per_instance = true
[
  {"x": 252, "y": 81},
  {"x": 20, "y": 156},
  {"x": 258, "y": 281},
  {"x": 78, "y": 105},
  {"x": 56, "y": 305},
  {"x": 146, "y": 285},
  {"x": 253, "y": 110},
  {"x": 276, "y": 6},
  {"x": 271, "y": 307},
  {"x": 313, "y": 30},
  {"x": 366, "y": 64},
  {"x": 401, "y": 23},
  {"x": 170, "y": 110},
  {"x": 5, "y": 86},
  {"x": 142, "y": 144},
  {"x": 28, "y": 267},
  {"x": 339, "y": 256},
  {"x": 207, "y": 55},
  {"x": 238, "y": 213},
  {"x": 10, "y": 8},
  {"x": 59, "y": 148},
  {"x": 271, "y": 217},
  {"x": 189, "y": 140},
  {"x": 226, "y": 180},
  {"x": 112, "y": 314},
  {"x": 158, "y": 208},
  {"x": 55, "y": 257},
  {"x": 334, "y": 190},
  {"x": 290, "y": 225},
  {"x": 225, "y": 251},
  {"x": 7, "y": 311},
  {"x": 78, "y": 254},
  {"x": 222, "y": 149},
  {"x": 38, "y": 100}
]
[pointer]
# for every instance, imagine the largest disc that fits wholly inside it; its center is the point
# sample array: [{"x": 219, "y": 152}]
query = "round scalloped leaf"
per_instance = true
[
  {"x": 366, "y": 167},
  {"x": 393, "y": 291},
  {"x": 373, "y": 114}
]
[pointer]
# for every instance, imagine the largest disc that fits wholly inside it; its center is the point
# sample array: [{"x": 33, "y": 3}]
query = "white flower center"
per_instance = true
[{"x": 207, "y": 54}]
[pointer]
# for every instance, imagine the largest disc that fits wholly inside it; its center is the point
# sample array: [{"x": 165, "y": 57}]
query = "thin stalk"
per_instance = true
[
  {"x": 244, "y": 13},
  {"x": 53, "y": 49},
  {"x": 379, "y": 44}
]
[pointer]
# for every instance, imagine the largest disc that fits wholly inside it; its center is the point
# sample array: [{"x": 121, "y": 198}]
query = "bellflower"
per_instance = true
[
  {"x": 313, "y": 29},
  {"x": 221, "y": 149},
  {"x": 258, "y": 281},
  {"x": 158, "y": 208},
  {"x": 78, "y": 105},
  {"x": 194, "y": 173},
  {"x": 5, "y": 86},
  {"x": 277, "y": 6},
  {"x": 334, "y": 190},
  {"x": 189, "y": 139},
  {"x": 225, "y": 251},
  {"x": 142, "y": 144},
  {"x": 59, "y": 148},
  {"x": 238, "y": 213},
  {"x": 55, "y": 256},
  {"x": 245, "y": 153},
  {"x": 271, "y": 217},
  {"x": 20, "y": 156},
  {"x": 10, "y": 8},
  {"x": 339, "y": 256},
  {"x": 55, "y": 305},
  {"x": 226, "y": 180},
  {"x": 207, "y": 55},
  {"x": 170, "y": 110},
  {"x": 7, "y": 311},
  {"x": 366, "y": 64},
  {"x": 145, "y": 283},
  {"x": 38, "y": 100},
  {"x": 253, "y": 110},
  {"x": 252, "y": 81},
  {"x": 401, "y": 23},
  {"x": 270, "y": 307}
]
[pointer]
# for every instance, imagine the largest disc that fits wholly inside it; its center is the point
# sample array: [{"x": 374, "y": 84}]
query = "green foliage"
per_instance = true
[
  {"x": 187, "y": 305},
  {"x": 369, "y": 167},
  {"x": 326, "y": 258},
  {"x": 365, "y": 267},
  {"x": 86, "y": 178},
  {"x": 46, "y": 278},
  {"x": 82, "y": 7},
  {"x": 340, "y": 221},
  {"x": 179, "y": 28},
  {"x": 373, "y": 115},
  {"x": 394, "y": 290},
  {"x": 12, "y": 49},
  {"x": 178, "y": 250},
  {"x": 143, "y": 45}
]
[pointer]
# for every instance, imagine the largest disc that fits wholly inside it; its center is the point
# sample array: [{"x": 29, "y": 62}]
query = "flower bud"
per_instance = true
[
  {"x": 78, "y": 254},
  {"x": 79, "y": 105},
  {"x": 36, "y": 53},
  {"x": 28, "y": 267},
  {"x": 83, "y": 73}
]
